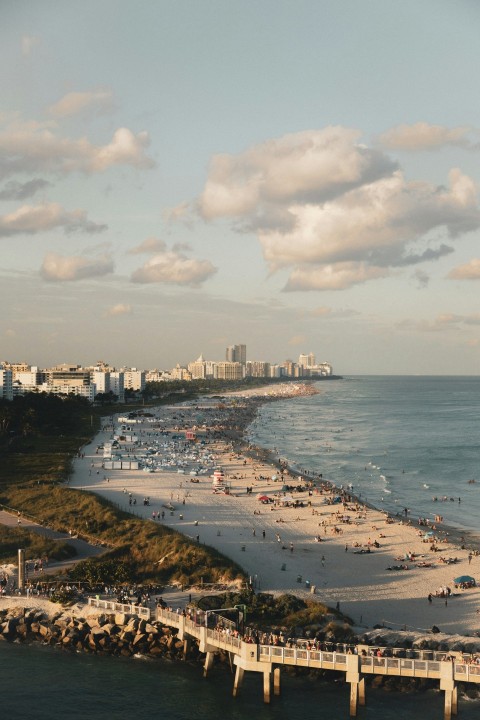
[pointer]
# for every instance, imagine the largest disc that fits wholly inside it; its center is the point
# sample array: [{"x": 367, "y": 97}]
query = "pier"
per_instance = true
[{"x": 269, "y": 659}]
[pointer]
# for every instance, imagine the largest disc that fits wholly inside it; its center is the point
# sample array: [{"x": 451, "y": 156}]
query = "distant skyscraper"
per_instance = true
[{"x": 236, "y": 353}]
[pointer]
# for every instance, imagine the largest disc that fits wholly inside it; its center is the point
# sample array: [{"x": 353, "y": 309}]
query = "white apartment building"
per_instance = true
[
  {"x": 86, "y": 391},
  {"x": 198, "y": 368},
  {"x": 229, "y": 371},
  {"x": 306, "y": 361},
  {"x": 134, "y": 379},
  {"x": 101, "y": 380},
  {"x": 117, "y": 385},
  {"x": 6, "y": 384},
  {"x": 257, "y": 368}
]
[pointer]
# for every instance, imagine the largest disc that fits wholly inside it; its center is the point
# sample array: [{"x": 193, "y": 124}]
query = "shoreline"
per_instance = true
[{"x": 370, "y": 589}]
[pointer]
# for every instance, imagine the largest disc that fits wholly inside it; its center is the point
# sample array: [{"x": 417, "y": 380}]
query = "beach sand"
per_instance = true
[{"x": 247, "y": 531}]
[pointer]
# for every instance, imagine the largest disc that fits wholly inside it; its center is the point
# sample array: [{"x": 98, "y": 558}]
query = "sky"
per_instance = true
[{"x": 182, "y": 175}]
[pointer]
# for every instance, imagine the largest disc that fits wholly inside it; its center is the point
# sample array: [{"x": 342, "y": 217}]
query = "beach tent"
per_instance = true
[{"x": 464, "y": 579}]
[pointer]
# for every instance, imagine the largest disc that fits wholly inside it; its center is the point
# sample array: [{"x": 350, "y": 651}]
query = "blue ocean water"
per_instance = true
[{"x": 401, "y": 441}]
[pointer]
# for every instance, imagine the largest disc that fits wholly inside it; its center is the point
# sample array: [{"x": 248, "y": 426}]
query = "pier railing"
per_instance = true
[{"x": 128, "y": 608}]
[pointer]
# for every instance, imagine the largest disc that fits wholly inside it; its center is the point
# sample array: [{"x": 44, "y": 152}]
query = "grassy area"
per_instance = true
[
  {"x": 35, "y": 468},
  {"x": 35, "y": 546}
]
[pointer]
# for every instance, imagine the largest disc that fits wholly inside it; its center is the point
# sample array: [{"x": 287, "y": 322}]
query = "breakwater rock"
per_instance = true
[{"x": 105, "y": 633}]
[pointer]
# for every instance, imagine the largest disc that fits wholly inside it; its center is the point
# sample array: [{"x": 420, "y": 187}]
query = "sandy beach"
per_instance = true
[{"x": 377, "y": 569}]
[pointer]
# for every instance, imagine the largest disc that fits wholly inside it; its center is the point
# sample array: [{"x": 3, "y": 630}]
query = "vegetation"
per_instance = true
[
  {"x": 39, "y": 435},
  {"x": 35, "y": 546},
  {"x": 285, "y": 612}
]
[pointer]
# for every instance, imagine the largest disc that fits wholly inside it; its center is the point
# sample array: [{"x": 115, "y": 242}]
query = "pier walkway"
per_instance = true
[{"x": 268, "y": 659}]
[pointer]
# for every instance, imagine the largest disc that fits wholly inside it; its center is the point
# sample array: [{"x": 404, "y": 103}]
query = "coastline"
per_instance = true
[{"x": 361, "y": 582}]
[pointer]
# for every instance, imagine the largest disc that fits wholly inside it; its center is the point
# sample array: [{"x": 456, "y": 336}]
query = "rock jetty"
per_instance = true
[{"x": 106, "y": 633}]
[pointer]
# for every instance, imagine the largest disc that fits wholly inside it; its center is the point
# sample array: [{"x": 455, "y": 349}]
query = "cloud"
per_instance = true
[
  {"x": 150, "y": 245},
  {"x": 120, "y": 309},
  {"x": 421, "y": 278},
  {"x": 57, "y": 268},
  {"x": 180, "y": 213},
  {"x": 75, "y": 103},
  {"x": 21, "y": 191},
  {"x": 333, "y": 211},
  {"x": 174, "y": 268},
  {"x": 333, "y": 314},
  {"x": 469, "y": 271},
  {"x": 28, "y": 44},
  {"x": 305, "y": 167},
  {"x": 332, "y": 277},
  {"x": 423, "y": 136},
  {"x": 30, "y": 220},
  {"x": 373, "y": 223},
  {"x": 36, "y": 147},
  {"x": 297, "y": 340}
]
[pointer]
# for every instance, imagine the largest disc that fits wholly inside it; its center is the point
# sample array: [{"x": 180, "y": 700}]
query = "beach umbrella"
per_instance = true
[
  {"x": 464, "y": 579},
  {"x": 274, "y": 477},
  {"x": 262, "y": 498}
]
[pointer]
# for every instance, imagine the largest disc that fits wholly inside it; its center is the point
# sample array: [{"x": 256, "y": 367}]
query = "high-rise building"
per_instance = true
[
  {"x": 307, "y": 361},
  {"x": 229, "y": 371},
  {"x": 236, "y": 353}
]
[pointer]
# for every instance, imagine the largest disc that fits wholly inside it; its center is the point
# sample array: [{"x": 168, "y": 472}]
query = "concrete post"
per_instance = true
[
  {"x": 455, "y": 700},
  {"x": 266, "y": 686},
  {"x": 353, "y": 698},
  {"x": 208, "y": 662},
  {"x": 276, "y": 681},
  {"x": 187, "y": 644},
  {"x": 238, "y": 680},
  {"x": 21, "y": 569},
  {"x": 361, "y": 692},
  {"x": 447, "y": 683},
  {"x": 357, "y": 683}
]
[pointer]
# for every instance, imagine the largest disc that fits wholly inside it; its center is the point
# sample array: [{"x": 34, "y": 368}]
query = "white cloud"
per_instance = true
[
  {"x": 297, "y": 340},
  {"x": 172, "y": 267},
  {"x": 36, "y": 147},
  {"x": 76, "y": 267},
  {"x": 423, "y": 136},
  {"x": 338, "y": 276},
  {"x": 469, "y": 271},
  {"x": 31, "y": 220},
  {"x": 120, "y": 309},
  {"x": 75, "y": 103},
  {"x": 150, "y": 245},
  {"x": 28, "y": 44},
  {"x": 333, "y": 211},
  {"x": 308, "y": 166}
]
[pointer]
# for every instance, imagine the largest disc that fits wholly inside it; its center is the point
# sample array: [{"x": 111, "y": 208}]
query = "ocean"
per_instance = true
[
  {"x": 400, "y": 441},
  {"x": 41, "y": 683}
]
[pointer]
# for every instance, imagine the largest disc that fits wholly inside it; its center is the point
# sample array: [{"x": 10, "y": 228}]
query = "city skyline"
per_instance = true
[{"x": 300, "y": 176}]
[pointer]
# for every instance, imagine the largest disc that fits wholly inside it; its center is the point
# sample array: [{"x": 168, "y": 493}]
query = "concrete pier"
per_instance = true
[{"x": 356, "y": 663}]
